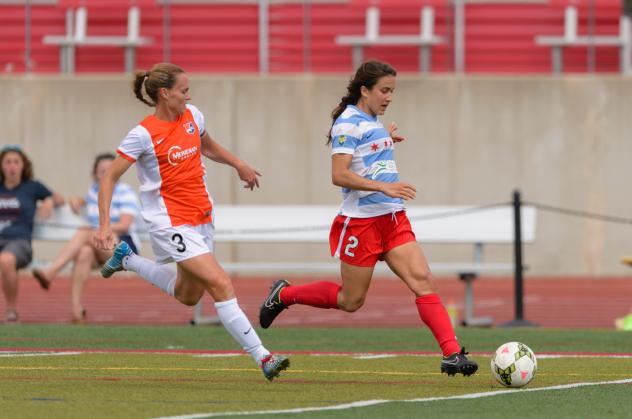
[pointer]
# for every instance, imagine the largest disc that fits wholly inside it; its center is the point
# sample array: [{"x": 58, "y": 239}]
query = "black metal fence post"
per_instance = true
[{"x": 518, "y": 266}]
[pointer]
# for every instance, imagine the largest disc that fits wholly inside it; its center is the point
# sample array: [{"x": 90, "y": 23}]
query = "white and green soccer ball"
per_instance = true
[{"x": 514, "y": 364}]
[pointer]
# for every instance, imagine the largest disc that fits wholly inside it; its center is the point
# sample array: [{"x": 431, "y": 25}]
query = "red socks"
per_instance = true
[
  {"x": 431, "y": 310},
  {"x": 434, "y": 314},
  {"x": 317, "y": 294}
]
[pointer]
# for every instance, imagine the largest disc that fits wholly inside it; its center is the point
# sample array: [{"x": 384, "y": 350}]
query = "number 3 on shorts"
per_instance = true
[
  {"x": 353, "y": 243},
  {"x": 179, "y": 242}
]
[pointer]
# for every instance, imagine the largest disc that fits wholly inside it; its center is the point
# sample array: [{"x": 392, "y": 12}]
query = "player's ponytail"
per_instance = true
[
  {"x": 366, "y": 75},
  {"x": 161, "y": 75},
  {"x": 137, "y": 84}
]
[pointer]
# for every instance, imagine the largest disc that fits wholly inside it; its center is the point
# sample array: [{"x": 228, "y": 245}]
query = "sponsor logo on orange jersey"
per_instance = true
[{"x": 176, "y": 155}]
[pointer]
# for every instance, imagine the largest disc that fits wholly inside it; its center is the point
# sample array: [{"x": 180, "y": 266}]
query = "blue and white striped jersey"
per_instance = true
[
  {"x": 363, "y": 136},
  {"x": 124, "y": 201}
]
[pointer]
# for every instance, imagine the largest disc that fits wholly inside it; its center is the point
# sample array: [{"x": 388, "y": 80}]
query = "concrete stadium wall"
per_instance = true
[{"x": 470, "y": 140}]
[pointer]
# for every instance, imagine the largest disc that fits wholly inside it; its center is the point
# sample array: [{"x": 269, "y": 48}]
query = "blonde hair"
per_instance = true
[{"x": 161, "y": 75}]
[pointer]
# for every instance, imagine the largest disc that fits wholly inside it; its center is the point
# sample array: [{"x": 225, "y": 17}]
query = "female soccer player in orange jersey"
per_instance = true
[
  {"x": 167, "y": 148},
  {"x": 372, "y": 223}
]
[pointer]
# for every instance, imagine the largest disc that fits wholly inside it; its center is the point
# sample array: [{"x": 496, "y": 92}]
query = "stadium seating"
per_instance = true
[
  {"x": 223, "y": 37},
  {"x": 77, "y": 36},
  {"x": 571, "y": 38},
  {"x": 425, "y": 40}
]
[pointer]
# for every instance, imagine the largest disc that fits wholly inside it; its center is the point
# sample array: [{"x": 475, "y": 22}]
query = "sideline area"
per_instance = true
[{"x": 549, "y": 302}]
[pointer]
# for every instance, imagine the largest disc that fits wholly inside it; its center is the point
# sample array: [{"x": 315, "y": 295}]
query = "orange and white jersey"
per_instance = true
[{"x": 170, "y": 170}]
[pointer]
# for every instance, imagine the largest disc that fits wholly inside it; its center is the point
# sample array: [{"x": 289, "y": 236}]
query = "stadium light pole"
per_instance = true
[{"x": 519, "y": 320}]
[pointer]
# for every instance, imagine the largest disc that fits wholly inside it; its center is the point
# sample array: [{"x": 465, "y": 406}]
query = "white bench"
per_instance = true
[
  {"x": 571, "y": 39},
  {"x": 303, "y": 224},
  {"x": 68, "y": 42},
  {"x": 425, "y": 40},
  {"x": 310, "y": 224}
]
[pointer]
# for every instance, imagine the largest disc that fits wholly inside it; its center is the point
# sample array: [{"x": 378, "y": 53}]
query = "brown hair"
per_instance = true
[
  {"x": 161, "y": 75},
  {"x": 27, "y": 170},
  {"x": 366, "y": 75},
  {"x": 98, "y": 159}
]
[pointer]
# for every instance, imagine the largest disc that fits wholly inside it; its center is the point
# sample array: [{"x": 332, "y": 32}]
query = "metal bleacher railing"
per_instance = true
[
  {"x": 425, "y": 40},
  {"x": 77, "y": 36},
  {"x": 570, "y": 38},
  {"x": 285, "y": 36}
]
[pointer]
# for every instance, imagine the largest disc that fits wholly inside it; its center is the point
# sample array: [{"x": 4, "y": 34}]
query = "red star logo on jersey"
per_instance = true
[{"x": 374, "y": 147}]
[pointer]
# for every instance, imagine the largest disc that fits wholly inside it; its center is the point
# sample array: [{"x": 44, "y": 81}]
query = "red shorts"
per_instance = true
[{"x": 364, "y": 241}]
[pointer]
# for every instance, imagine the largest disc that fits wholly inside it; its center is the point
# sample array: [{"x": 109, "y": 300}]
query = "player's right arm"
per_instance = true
[
  {"x": 341, "y": 175},
  {"x": 214, "y": 151},
  {"x": 104, "y": 238}
]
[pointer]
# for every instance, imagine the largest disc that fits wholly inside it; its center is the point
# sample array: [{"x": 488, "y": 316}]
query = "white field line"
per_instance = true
[
  {"x": 556, "y": 356},
  {"x": 374, "y": 356},
  {"x": 366, "y": 403},
  {"x": 356, "y": 355},
  {"x": 360, "y": 355},
  {"x": 216, "y": 355}
]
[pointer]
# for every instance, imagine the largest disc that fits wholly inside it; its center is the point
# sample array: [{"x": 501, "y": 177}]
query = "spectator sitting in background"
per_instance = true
[
  {"x": 19, "y": 196},
  {"x": 79, "y": 249}
]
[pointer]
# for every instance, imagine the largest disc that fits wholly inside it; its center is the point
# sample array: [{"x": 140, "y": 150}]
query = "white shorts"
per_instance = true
[{"x": 175, "y": 244}]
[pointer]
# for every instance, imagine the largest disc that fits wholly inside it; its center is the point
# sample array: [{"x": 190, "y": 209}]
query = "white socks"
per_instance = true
[
  {"x": 238, "y": 325},
  {"x": 229, "y": 313},
  {"x": 162, "y": 276}
]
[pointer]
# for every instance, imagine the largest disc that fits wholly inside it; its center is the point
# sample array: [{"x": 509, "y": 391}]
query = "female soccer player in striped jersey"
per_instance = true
[
  {"x": 372, "y": 223},
  {"x": 168, "y": 147}
]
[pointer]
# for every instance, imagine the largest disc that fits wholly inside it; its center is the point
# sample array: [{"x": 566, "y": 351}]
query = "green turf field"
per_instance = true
[{"x": 149, "y": 385}]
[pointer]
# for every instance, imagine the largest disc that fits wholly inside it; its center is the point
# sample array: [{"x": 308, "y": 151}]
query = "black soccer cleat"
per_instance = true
[
  {"x": 458, "y": 363},
  {"x": 272, "y": 306}
]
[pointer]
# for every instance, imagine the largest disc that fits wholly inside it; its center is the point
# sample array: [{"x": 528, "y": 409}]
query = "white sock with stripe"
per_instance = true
[
  {"x": 161, "y": 276},
  {"x": 238, "y": 325}
]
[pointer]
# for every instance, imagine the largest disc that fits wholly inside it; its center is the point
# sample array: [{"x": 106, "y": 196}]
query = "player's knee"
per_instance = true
[
  {"x": 351, "y": 305},
  {"x": 188, "y": 296},
  {"x": 422, "y": 274},
  {"x": 7, "y": 261},
  {"x": 189, "y": 300},
  {"x": 221, "y": 287},
  {"x": 422, "y": 282}
]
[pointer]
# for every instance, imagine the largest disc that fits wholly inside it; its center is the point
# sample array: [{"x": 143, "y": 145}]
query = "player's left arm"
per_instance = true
[
  {"x": 394, "y": 136},
  {"x": 214, "y": 151}
]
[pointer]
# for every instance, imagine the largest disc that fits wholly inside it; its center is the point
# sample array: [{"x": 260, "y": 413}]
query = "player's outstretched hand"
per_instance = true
[
  {"x": 391, "y": 131},
  {"x": 248, "y": 175},
  {"x": 103, "y": 239},
  {"x": 400, "y": 190}
]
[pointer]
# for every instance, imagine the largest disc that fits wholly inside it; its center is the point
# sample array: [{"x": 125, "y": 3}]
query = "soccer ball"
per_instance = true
[{"x": 514, "y": 364}]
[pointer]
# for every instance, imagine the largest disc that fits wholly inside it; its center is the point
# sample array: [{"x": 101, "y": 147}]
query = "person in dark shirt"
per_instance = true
[{"x": 20, "y": 198}]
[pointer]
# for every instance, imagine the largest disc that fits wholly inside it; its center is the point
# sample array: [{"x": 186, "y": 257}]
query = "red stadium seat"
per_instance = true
[{"x": 224, "y": 37}]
